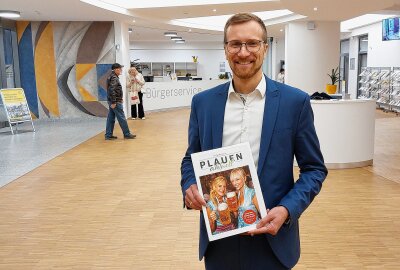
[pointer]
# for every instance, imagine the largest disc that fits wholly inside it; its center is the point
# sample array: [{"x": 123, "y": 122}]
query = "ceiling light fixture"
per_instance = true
[
  {"x": 133, "y": 20},
  {"x": 281, "y": 30},
  {"x": 315, "y": 9},
  {"x": 10, "y": 14},
  {"x": 130, "y": 30},
  {"x": 170, "y": 34},
  {"x": 176, "y": 38},
  {"x": 190, "y": 30},
  {"x": 214, "y": 10},
  {"x": 180, "y": 41}
]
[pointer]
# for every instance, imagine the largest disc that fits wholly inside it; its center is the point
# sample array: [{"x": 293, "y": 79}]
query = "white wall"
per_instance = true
[
  {"x": 210, "y": 54},
  {"x": 380, "y": 53},
  {"x": 311, "y": 54}
]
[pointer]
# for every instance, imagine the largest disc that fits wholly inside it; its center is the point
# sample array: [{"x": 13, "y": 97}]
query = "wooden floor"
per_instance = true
[{"x": 117, "y": 205}]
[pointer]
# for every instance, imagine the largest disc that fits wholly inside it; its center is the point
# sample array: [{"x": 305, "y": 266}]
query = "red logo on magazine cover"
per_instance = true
[{"x": 249, "y": 216}]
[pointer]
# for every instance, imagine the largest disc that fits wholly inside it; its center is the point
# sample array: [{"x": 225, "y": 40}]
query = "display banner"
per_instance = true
[{"x": 16, "y": 106}]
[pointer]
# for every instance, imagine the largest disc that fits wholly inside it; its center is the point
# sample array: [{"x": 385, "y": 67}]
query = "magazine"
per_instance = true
[{"x": 227, "y": 179}]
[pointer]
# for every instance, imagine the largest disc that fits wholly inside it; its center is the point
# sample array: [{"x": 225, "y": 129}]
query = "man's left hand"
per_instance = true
[{"x": 272, "y": 222}]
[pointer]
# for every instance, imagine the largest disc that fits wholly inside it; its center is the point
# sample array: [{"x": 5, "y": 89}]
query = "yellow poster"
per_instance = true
[{"x": 14, "y": 102}]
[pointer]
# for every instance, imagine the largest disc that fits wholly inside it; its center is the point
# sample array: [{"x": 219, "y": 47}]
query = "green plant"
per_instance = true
[
  {"x": 334, "y": 75},
  {"x": 223, "y": 76}
]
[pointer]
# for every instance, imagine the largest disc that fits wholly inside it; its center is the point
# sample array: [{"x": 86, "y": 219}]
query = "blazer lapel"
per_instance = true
[
  {"x": 218, "y": 114},
  {"x": 270, "y": 114}
]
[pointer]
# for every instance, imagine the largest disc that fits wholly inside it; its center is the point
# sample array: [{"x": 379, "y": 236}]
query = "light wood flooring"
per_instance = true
[{"x": 118, "y": 205}]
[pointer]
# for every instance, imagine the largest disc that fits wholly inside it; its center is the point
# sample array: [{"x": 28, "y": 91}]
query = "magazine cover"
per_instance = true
[{"x": 227, "y": 179}]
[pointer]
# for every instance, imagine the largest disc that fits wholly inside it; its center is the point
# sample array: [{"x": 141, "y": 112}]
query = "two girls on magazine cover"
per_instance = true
[{"x": 236, "y": 208}]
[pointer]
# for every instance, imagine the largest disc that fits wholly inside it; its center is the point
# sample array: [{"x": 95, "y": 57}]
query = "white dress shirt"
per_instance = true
[{"x": 244, "y": 118}]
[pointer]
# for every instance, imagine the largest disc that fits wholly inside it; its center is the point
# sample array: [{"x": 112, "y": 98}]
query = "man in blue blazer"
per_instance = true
[{"x": 277, "y": 121}]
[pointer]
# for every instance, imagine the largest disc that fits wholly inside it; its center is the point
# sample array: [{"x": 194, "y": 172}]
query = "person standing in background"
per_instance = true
[
  {"x": 115, "y": 108},
  {"x": 134, "y": 83},
  {"x": 281, "y": 76}
]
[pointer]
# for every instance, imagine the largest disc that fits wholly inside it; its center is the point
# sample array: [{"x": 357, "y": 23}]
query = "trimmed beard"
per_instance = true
[{"x": 248, "y": 75}]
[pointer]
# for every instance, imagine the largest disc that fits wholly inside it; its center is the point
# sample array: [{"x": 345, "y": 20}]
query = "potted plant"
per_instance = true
[
  {"x": 331, "y": 88},
  {"x": 223, "y": 76}
]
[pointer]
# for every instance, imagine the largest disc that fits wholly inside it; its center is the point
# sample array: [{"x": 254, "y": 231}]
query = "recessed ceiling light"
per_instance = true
[
  {"x": 315, "y": 9},
  {"x": 281, "y": 30},
  {"x": 180, "y": 41},
  {"x": 10, "y": 14},
  {"x": 190, "y": 30},
  {"x": 133, "y": 20},
  {"x": 214, "y": 10},
  {"x": 176, "y": 38},
  {"x": 170, "y": 34}
]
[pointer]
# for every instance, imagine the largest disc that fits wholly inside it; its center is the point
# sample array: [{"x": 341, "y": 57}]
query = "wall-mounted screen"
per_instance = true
[{"x": 390, "y": 29}]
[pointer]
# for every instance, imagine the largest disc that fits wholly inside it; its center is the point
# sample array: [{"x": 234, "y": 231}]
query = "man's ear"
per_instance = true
[{"x": 266, "y": 49}]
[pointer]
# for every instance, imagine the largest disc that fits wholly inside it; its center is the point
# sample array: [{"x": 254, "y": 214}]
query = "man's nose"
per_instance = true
[{"x": 243, "y": 50}]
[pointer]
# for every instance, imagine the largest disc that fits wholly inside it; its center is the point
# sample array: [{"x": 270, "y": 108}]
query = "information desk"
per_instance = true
[
  {"x": 346, "y": 131},
  {"x": 165, "y": 95}
]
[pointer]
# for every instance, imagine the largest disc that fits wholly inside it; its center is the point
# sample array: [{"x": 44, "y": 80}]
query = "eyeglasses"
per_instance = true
[{"x": 234, "y": 46}]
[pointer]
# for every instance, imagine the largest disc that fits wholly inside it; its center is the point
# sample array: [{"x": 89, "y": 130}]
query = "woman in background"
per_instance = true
[
  {"x": 134, "y": 83},
  {"x": 281, "y": 76}
]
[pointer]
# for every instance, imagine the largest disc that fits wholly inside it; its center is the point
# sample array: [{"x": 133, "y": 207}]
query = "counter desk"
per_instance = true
[
  {"x": 346, "y": 131},
  {"x": 345, "y": 128}
]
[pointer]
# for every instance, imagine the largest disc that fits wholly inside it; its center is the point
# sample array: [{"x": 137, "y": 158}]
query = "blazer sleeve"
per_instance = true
[
  {"x": 187, "y": 171},
  {"x": 310, "y": 161}
]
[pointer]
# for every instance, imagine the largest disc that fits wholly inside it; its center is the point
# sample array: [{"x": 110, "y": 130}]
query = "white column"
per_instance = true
[
  {"x": 311, "y": 54},
  {"x": 122, "y": 57}
]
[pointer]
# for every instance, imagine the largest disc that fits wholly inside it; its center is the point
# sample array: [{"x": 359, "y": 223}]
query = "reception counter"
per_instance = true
[
  {"x": 166, "y": 95},
  {"x": 346, "y": 131},
  {"x": 345, "y": 128}
]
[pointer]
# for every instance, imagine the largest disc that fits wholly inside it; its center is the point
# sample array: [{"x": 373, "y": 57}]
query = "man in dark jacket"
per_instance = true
[{"x": 114, "y": 99}]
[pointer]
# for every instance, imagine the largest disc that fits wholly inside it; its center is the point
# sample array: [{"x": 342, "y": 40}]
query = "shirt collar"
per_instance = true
[{"x": 261, "y": 87}]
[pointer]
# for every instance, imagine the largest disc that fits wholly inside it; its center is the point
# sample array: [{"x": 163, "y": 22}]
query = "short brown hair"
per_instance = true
[{"x": 243, "y": 18}]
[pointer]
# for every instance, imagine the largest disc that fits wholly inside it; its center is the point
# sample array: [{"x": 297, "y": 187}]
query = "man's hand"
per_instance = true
[
  {"x": 272, "y": 222},
  {"x": 193, "y": 198},
  {"x": 113, "y": 106}
]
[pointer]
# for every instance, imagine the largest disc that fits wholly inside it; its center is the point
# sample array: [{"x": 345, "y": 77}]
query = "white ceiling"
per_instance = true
[{"x": 150, "y": 23}]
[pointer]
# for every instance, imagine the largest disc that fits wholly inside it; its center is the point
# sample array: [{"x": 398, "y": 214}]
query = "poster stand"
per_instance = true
[{"x": 16, "y": 107}]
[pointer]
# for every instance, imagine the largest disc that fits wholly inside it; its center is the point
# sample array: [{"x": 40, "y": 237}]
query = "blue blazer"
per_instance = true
[{"x": 288, "y": 131}]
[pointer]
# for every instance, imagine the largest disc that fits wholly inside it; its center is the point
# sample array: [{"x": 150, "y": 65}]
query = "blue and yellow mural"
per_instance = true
[
  {"x": 26, "y": 66},
  {"x": 64, "y": 65}
]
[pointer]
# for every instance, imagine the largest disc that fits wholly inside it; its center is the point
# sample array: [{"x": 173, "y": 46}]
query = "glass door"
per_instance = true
[
  {"x": 344, "y": 66},
  {"x": 362, "y": 59}
]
